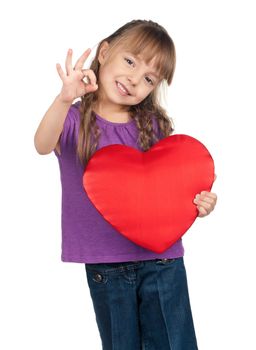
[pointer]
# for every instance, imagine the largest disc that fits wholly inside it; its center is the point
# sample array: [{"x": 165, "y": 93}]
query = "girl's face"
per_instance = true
[{"x": 123, "y": 78}]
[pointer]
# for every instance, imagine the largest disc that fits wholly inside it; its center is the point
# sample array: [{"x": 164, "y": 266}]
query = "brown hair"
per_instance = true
[{"x": 152, "y": 41}]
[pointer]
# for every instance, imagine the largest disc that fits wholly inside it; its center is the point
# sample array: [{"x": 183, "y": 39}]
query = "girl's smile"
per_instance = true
[{"x": 122, "y": 89}]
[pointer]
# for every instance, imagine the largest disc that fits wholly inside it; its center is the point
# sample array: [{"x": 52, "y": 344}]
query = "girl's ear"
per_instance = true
[{"x": 103, "y": 51}]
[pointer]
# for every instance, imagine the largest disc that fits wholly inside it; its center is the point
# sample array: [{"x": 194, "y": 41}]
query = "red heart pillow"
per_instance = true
[{"x": 148, "y": 196}]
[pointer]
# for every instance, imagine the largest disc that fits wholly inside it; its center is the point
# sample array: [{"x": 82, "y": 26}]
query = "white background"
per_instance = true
[{"x": 45, "y": 303}]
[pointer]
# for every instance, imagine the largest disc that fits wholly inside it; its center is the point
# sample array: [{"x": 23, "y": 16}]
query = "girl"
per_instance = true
[{"x": 140, "y": 298}]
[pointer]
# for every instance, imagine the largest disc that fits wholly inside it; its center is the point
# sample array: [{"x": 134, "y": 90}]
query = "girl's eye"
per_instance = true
[
  {"x": 150, "y": 81},
  {"x": 128, "y": 60}
]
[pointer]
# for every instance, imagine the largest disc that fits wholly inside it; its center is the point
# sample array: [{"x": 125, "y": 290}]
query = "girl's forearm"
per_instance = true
[{"x": 51, "y": 126}]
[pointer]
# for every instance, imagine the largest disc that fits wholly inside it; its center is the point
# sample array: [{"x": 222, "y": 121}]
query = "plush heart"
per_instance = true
[{"x": 148, "y": 196}]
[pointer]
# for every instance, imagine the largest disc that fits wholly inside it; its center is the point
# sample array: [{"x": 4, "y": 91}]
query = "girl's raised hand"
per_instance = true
[{"x": 73, "y": 84}]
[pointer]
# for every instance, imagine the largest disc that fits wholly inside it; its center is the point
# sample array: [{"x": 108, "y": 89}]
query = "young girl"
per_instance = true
[{"x": 140, "y": 298}]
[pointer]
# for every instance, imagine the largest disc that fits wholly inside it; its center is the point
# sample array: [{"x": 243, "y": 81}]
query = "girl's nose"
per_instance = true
[{"x": 133, "y": 79}]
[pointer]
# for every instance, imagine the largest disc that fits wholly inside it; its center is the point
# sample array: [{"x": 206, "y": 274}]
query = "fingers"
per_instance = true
[
  {"x": 206, "y": 202},
  {"x": 202, "y": 212},
  {"x": 68, "y": 62},
  {"x": 91, "y": 83},
  {"x": 204, "y": 208},
  {"x": 91, "y": 88},
  {"x": 80, "y": 62},
  {"x": 60, "y": 71},
  {"x": 207, "y": 199},
  {"x": 90, "y": 74}
]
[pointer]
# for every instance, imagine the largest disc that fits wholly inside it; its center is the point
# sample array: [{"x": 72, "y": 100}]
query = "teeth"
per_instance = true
[{"x": 121, "y": 87}]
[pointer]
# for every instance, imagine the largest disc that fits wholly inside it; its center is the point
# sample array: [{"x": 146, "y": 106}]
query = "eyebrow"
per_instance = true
[{"x": 139, "y": 59}]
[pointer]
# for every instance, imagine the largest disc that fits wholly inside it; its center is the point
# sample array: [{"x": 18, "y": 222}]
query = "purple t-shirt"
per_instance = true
[{"x": 86, "y": 236}]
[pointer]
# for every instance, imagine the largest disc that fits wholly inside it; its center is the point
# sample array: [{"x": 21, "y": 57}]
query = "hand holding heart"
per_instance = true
[{"x": 206, "y": 202}]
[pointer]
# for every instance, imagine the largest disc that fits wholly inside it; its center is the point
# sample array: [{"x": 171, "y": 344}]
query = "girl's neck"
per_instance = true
[{"x": 113, "y": 114}]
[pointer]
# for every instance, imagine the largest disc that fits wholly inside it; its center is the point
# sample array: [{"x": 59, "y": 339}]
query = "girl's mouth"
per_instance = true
[{"x": 122, "y": 90}]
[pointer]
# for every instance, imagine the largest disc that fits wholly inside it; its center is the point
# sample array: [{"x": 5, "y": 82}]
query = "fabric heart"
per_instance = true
[{"x": 148, "y": 196}]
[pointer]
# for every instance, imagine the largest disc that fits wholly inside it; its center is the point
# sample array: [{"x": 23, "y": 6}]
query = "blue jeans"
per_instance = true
[{"x": 142, "y": 305}]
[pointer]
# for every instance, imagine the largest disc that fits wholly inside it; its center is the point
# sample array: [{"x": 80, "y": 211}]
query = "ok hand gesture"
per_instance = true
[{"x": 73, "y": 84}]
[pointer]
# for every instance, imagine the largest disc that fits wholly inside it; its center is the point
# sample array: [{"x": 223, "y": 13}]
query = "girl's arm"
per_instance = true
[{"x": 51, "y": 126}]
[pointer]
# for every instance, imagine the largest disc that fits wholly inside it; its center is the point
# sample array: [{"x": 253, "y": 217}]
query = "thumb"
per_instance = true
[
  {"x": 91, "y": 88},
  {"x": 215, "y": 177}
]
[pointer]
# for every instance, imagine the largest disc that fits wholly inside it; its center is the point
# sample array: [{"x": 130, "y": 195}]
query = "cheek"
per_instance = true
[
  {"x": 141, "y": 97},
  {"x": 105, "y": 72},
  {"x": 105, "y": 79},
  {"x": 145, "y": 92}
]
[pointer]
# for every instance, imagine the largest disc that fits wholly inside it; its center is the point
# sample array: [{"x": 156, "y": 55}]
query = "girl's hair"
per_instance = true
[{"x": 151, "y": 41}]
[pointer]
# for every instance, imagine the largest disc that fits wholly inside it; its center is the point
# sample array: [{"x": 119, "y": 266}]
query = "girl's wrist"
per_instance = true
[{"x": 60, "y": 99}]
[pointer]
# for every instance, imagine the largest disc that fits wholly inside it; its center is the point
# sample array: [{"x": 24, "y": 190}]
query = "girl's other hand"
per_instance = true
[
  {"x": 73, "y": 84},
  {"x": 206, "y": 202}
]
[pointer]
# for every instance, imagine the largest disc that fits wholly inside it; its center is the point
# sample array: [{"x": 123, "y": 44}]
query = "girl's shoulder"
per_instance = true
[
  {"x": 70, "y": 128},
  {"x": 76, "y": 104},
  {"x": 73, "y": 113}
]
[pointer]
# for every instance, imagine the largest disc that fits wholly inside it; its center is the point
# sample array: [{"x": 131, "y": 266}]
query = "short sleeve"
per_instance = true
[{"x": 68, "y": 136}]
